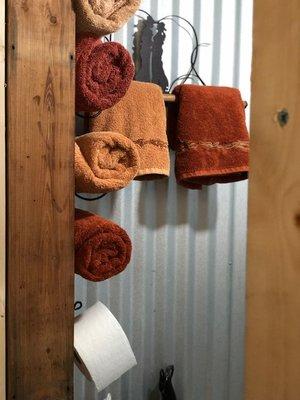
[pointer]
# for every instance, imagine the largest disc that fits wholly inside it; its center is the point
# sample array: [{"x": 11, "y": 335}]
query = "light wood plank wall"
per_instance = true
[
  {"x": 273, "y": 279},
  {"x": 40, "y": 202},
  {"x": 2, "y": 200}
]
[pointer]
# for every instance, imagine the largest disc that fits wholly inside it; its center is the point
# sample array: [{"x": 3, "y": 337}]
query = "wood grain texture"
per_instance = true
[
  {"x": 40, "y": 140},
  {"x": 273, "y": 279},
  {"x": 2, "y": 200}
]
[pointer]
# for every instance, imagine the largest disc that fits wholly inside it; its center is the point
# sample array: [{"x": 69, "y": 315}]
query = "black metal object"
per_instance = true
[
  {"x": 90, "y": 199},
  {"x": 148, "y": 44},
  {"x": 77, "y": 305},
  {"x": 165, "y": 383}
]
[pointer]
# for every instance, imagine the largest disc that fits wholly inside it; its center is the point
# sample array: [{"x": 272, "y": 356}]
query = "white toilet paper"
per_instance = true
[{"x": 102, "y": 350}]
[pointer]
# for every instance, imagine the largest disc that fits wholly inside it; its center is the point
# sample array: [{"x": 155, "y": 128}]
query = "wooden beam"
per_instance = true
[
  {"x": 2, "y": 200},
  {"x": 273, "y": 279},
  {"x": 40, "y": 129}
]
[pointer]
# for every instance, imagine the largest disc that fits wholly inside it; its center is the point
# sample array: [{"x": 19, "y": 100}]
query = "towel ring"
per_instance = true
[{"x": 90, "y": 199}]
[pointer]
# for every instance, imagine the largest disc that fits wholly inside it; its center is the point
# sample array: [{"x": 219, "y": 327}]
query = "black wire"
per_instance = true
[
  {"x": 90, "y": 115},
  {"x": 91, "y": 199},
  {"x": 185, "y": 79}
]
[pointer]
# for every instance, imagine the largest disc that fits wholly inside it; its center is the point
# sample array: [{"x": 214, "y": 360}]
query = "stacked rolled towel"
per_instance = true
[
  {"x": 141, "y": 116},
  {"x": 102, "y": 248},
  {"x": 212, "y": 142},
  {"x": 104, "y": 72},
  {"x": 102, "y": 17},
  {"x": 104, "y": 162}
]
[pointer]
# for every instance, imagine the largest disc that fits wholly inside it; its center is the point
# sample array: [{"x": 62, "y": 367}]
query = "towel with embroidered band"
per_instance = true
[
  {"x": 141, "y": 116},
  {"x": 211, "y": 137}
]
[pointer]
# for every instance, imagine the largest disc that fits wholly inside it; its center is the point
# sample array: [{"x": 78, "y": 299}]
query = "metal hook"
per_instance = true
[{"x": 77, "y": 305}]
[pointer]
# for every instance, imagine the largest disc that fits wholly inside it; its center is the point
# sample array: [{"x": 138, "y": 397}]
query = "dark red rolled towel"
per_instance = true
[
  {"x": 104, "y": 72},
  {"x": 102, "y": 248},
  {"x": 212, "y": 141}
]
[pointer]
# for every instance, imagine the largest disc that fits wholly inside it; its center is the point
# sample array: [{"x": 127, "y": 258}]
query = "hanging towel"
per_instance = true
[
  {"x": 104, "y": 162},
  {"x": 102, "y": 248},
  {"x": 104, "y": 72},
  {"x": 212, "y": 142},
  {"x": 102, "y": 17},
  {"x": 141, "y": 116}
]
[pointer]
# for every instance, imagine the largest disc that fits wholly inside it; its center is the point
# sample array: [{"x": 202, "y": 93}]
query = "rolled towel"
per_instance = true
[
  {"x": 104, "y": 72},
  {"x": 102, "y": 17},
  {"x": 104, "y": 162},
  {"x": 141, "y": 116},
  {"x": 212, "y": 141},
  {"x": 102, "y": 248}
]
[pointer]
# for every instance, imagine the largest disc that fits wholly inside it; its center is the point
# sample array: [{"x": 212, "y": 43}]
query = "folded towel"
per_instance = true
[
  {"x": 102, "y": 248},
  {"x": 104, "y": 162},
  {"x": 212, "y": 142},
  {"x": 101, "y": 17},
  {"x": 141, "y": 116},
  {"x": 104, "y": 72}
]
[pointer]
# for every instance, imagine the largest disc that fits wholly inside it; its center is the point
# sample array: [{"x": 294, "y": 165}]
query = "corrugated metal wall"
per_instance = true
[{"x": 181, "y": 300}]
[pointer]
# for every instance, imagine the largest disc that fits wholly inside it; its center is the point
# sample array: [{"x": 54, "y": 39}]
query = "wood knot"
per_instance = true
[
  {"x": 297, "y": 220},
  {"x": 53, "y": 19}
]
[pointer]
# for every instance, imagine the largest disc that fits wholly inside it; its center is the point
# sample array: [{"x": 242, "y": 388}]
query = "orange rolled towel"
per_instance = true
[
  {"x": 102, "y": 17},
  {"x": 104, "y": 72},
  {"x": 102, "y": 248},
  {"x": 104, "y": 162},
  {"x": 141, "y": 116},
  {"x": 212, "y": 141}
]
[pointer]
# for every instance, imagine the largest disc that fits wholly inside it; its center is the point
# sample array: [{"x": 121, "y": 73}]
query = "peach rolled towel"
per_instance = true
[
  {"x": 141, "y": 116},
  {"x": 102, "y": 17},
  {"x": 104, "y": 162}
]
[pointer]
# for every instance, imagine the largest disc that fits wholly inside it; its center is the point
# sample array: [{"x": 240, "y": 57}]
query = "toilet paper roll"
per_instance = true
[{"x": 102, "y": 350}]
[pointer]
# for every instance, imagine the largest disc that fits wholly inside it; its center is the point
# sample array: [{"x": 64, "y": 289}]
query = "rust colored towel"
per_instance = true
[
  {"x": 104, "y": 72},
  {"x": 104, "y": 162},
  {"x": 102, "y": 17},
  {"x": 102, "y": 248},
  {"x": 141, "y": 116},
  {"x": 212, "y": 142}
]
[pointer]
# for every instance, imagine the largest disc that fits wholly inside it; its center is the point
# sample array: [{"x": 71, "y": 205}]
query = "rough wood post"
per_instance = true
[
  {"x": 273, "y": 279},
  {"x": 40, "y": 193}
]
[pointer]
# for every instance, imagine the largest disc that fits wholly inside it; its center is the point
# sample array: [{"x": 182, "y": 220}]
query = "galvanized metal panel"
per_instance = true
[{"x": 181, "y": 300}]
